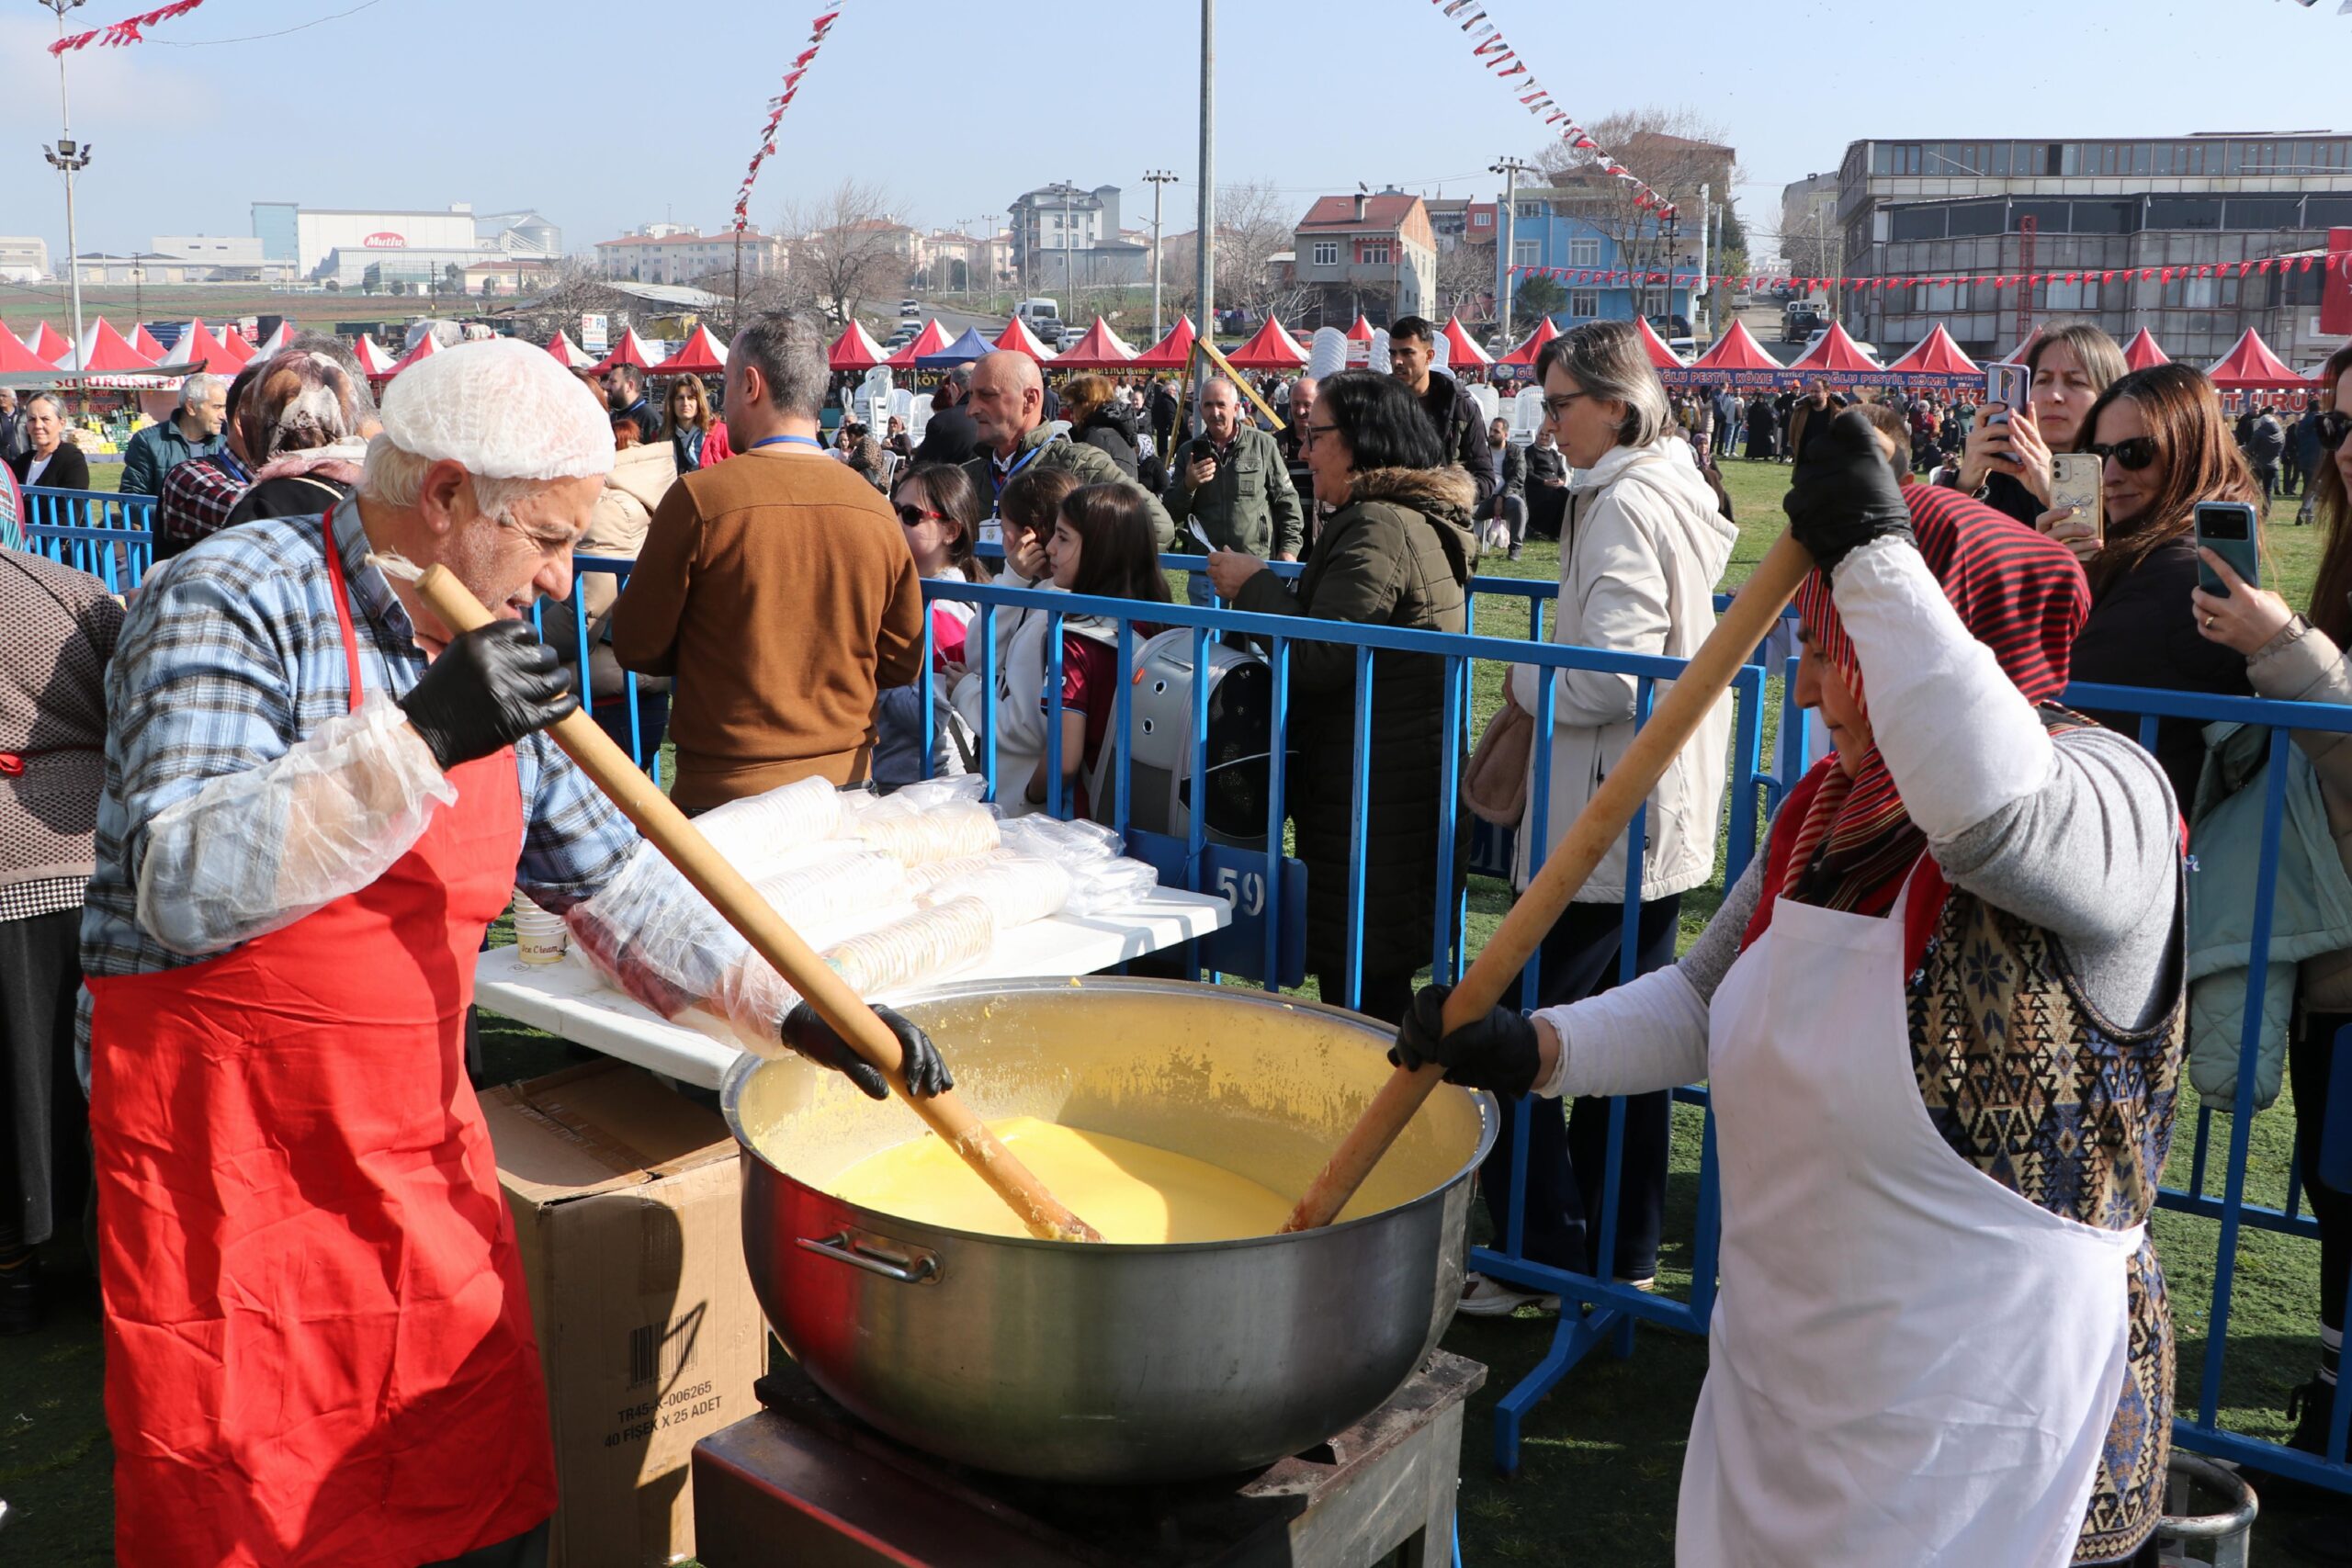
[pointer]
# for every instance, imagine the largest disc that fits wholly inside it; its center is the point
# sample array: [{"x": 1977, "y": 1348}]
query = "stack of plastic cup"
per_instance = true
[{"x": 539, "y": 937}]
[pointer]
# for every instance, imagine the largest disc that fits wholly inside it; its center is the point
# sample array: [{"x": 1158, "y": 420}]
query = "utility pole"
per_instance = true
[
  {"x": 1068, "y": 287},
  {"x": 69, "y": 160},
  {"x": 1205, "y": 266},
  {"x": 737, "y": 323},
  {"x": 1706, "y": 250},
  {"x": 1510, "y": 168},
  {"x": 1158, "y": 179}
]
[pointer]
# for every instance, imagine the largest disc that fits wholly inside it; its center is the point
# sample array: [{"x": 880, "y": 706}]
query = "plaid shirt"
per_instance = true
[
  {"x": 197, "y": 497},
  {"x": 231, "y": 655}
]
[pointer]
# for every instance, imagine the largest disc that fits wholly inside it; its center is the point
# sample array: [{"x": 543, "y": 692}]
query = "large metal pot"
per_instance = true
[{"x": 1114, "y": 1363}]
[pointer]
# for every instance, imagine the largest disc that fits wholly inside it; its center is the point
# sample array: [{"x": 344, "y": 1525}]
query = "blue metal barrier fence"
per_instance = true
[{"x": 1263, "y": 884}]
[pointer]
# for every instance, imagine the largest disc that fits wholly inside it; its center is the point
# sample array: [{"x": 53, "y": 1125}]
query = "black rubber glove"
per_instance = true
[
  {"x": 490, "y": 688},
  {"x": 1848, "y": 495},
  {"x": 1498, "y": 1051},
  {"x": 814, "y": 1038}
]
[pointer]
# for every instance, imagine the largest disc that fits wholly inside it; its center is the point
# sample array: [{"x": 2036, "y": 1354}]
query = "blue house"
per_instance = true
[{"x": 1550, "y": 229}]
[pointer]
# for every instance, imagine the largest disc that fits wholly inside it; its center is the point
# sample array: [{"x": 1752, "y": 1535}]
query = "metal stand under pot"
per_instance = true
[{"x": 805, "y": 1481}]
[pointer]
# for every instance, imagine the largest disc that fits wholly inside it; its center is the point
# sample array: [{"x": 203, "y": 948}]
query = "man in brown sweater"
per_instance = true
[{"x": 776, "y": 587}]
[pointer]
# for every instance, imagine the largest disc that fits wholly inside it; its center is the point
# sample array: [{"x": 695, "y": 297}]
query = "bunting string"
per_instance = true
[
  {"x": 1497, "y": 56},
  {"x": 129, "y": 30},
  {"x": 817, "y": 28},
  {"x": 2339, "y": 261}
]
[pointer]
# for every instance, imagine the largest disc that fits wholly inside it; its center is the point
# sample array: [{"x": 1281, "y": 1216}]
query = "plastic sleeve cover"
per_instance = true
[
  {"x": 650, "y": 933},
  {"x": 252, "y": 852}
]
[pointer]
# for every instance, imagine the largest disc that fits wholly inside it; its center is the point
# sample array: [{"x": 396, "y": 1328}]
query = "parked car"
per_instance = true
[{"x": 910, "y": 308}]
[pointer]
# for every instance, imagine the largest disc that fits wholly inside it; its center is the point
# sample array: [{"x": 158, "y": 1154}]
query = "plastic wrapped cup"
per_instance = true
[{"x": 539, "y": 937}]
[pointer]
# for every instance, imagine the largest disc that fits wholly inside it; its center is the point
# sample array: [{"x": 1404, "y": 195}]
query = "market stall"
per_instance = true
[
  {"x": 1524, "y": 355},
  {"x": 700, "y": 354},
  {"x": 1661, "y": 356},
  {"x": 376, "y": 361},
  {"x": 2144, "y": 351},
  {"x": 1100, "y": 349},
  {"x": 854, "y": 350},
  {"x": 1463, "y": 354},
  {"x": 1271, "y": 348},
  {"x": 1935, "y": 364},
  {"x": 630, "y": 349},
  {"x": 930, "y": 340},
  {"x": 568, "y": 354},
  {"x": 1734, "y": 360},
  {"x": 1172, "y": 352},
  {"x": 1017, "y": 337}
]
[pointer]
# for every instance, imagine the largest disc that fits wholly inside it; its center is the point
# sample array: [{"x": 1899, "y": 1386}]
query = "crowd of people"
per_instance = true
[{"x": 1970, "y": 874}]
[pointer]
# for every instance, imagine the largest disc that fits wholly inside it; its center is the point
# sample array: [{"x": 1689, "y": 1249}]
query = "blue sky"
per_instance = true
[{"x": 604, "y": 115}]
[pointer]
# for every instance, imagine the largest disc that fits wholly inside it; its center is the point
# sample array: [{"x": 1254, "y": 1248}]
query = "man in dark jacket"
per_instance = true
[
  {"x": 950, "y": 437},
  {"x": 1165, "y": 413},
  {"x": 2304, "y": 454},
  {"x": 1461, "y": 427},
  {"x": 1547, "y": 484},
  {"x": 2266, "y": 443},
  {"x": 1231, "y": 482},
  {"x": 14, "y": 439},
  {"x": 625, "y": 390},
  {"x": 193, "y": 430},
  {"x": 1510, "y": 500}
]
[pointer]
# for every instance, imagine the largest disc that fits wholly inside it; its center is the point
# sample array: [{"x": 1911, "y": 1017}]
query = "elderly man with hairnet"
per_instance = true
[{"x": 319, "y": 1348}]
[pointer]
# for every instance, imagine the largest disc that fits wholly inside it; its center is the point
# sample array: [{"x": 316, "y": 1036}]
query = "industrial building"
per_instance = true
[
  {"x": 340, "y": 244},
  {"x": 2081, "y": 210}
]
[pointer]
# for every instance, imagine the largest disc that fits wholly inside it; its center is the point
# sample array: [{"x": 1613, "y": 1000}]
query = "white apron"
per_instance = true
[{"x": 1909, "y": 1363}]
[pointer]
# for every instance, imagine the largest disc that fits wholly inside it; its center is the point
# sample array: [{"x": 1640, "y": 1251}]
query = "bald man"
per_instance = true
[{"x": 1008, "y": 408}]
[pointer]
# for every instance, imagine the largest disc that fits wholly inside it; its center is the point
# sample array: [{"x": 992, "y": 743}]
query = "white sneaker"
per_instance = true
[{"x": 1482, "y": 1297}]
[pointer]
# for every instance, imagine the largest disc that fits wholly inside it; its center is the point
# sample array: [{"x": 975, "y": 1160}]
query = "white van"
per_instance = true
[{"x": 1036, "y": 312}]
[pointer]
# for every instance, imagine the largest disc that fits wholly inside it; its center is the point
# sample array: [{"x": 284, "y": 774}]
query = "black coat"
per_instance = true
[
  {"x": 1115, "y": 431},
  {"x": 1398, "y": 554},
  {"x": 1461, "y": 429},
  {"x": 2143, "y": 632},
  {"x": 68, "y": 469},
  {"x": 950, "y": 437},
  {"x": 288, "y": 495}
]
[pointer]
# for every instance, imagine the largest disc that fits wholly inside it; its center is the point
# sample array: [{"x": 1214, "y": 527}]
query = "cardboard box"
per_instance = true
[{"x": 626, "y": 1203}]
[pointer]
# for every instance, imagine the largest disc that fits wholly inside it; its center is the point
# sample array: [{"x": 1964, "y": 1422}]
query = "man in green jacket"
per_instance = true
[
  {"x": 193, "y": 430},
  {"x": 1008, "y": 408},
  {"x": 1231, "y": 481}
]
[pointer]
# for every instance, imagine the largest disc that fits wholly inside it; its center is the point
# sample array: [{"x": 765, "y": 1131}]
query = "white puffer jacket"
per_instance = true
[
  {"x": 1020, "y": 659},
  {"x": 1641, "y": 550}
]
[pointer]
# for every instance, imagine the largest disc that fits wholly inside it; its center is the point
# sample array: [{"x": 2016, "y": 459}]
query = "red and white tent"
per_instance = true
[
  {"x": 1461, "y": 350},
  {"x": 1936, "y": 360},
  {"x": 1526, "y": 351},
  {"x": 194, "y": 345},
  {"x": 2250, "y": 367},
  {"x": 105, "y": 352},
  {"x": 48, "y": 344},
  {"x": 2144, "y": 352},
  {"x": 15, "y": 359},
  {"x": 1734, "y": 360},
  {"x": 1361, "y": 332},
  {"x": 1100, "y": 349},
  {"x": 374, "y": 358},
  {"x": 274, "y": 344},
  {"x": 1836, "y": 355},
  {"x": 1172, "y": 352},
  {"x": 235, "y": 351},
  {"x": 1271, "y": 348},
  {"x": 700, "y": 354},
  {"x": 2016, "y": 355},
  {"x": 1661, "y": 356},
  {"x": 1019, "y": 338},
  {"x": 144, "y": 342},
  {"x": 930, "y": 340},
  {"x": 427, "y": 345},
  {"x": 630, "y": 349},
  {"x": 568, "y": 354},
  {"x": 854, "y": 349}
]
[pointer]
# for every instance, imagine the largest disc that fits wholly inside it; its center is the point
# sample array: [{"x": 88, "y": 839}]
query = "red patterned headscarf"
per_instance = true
[{"x": 1848, "y": 843}]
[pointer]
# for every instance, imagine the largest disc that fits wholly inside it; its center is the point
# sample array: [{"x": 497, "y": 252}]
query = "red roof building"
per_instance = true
[{"x": 1368, "y": 252}]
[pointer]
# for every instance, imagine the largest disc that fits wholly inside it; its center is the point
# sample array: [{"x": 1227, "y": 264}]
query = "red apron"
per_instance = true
[{"x": 319, "y": 1345}]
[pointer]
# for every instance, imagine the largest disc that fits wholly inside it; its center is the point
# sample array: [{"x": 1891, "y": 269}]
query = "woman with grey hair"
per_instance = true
[{"x": 1641, "y": 549}]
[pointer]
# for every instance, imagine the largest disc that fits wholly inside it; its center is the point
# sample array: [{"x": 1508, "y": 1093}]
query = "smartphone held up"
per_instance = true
[
  {"x": 2074, "y": 480},
  {"x": 2227, "y": 529},
  {"x": 2011, "y": 386}
]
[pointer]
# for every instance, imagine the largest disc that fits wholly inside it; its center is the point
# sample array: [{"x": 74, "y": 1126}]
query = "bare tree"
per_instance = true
[
  {"x": 1674, "y": 151},
  {"x": 1810, "y": 237},
  {"x": 1254, "y": 226},
  {"x": 847, "y": 246},
  {"x": 1466, "y": 280},
  {"x": 569, "y": 288}
]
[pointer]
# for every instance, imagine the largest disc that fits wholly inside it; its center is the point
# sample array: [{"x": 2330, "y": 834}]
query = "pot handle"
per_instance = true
[{"x": 892, "y": 1260}]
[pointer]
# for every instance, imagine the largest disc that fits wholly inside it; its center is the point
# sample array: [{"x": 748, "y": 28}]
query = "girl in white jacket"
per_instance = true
[
  {"x": 1026, "y": 510},
  {"x": 1641, "y": 549}
]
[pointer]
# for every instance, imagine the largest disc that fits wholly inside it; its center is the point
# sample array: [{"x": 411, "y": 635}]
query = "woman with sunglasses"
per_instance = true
[
  {"x": 2297, "y": 659},
  {"x": 940, "y": 514},
  {"x": 2160, "y": 434}
]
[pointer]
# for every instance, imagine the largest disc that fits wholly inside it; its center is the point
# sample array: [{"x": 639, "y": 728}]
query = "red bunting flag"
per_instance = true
[
  {"x": 127, "y": 31},
  {"x": 819, "y": 27}
]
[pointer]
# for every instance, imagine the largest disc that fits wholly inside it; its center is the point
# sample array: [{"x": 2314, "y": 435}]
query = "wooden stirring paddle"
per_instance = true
[
  {"x": 680, "y": 841},
  {"x": 1601, "y": 823}
]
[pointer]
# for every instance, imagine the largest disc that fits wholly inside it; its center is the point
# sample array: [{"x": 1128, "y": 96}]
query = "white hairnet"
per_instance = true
[{"x": 503, "y": 409}]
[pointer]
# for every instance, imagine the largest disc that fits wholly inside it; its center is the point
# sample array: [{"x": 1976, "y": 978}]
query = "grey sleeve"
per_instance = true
[
  {"x": 2089, "y": 856},
  {"x": 1711, "y": 956}
]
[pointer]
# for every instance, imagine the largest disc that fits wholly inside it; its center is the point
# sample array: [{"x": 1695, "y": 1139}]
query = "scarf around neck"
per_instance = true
[{"x": 1845, "y": 842}]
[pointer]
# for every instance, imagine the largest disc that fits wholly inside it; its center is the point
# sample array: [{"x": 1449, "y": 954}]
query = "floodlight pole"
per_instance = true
[
  {"x": 1206, "y": 264},
  {"x": 69, "y": 160},
  {"x": 1158, "y": 179}
]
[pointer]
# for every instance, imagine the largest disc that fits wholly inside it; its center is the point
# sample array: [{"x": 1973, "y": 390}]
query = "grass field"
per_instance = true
[{"x": 1600, "y": 1458}]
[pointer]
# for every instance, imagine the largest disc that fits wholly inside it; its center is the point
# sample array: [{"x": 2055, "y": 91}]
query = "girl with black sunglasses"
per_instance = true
[
  {"x": 2160, "y": 434},
  {"x": 2299, "y": 659}
]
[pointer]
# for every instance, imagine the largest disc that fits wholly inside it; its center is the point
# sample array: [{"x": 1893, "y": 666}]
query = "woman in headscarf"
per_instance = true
[
  {"x": 304, "y": 422},
  {"x": 1940, "y": 1022}
]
